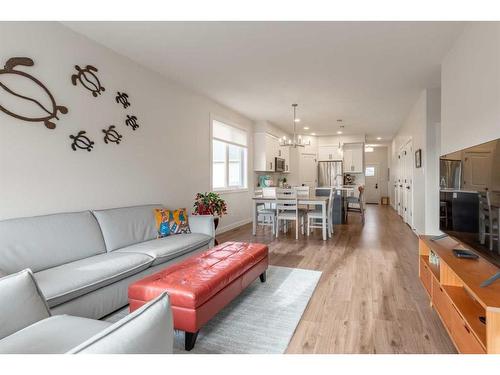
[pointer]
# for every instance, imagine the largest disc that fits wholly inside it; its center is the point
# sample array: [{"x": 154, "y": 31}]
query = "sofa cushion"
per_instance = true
[
  {"x": 148, "y": 330},
  {"x": 166, "y": 248},
  {"x": 169, "y": 222},
  {"x": 71, "y": 280},
  {"x": 127, "y": 225},
  {"x": 54, "y": 335},
  {"x": 43, "y": 242},
  {"x": 21, "y": 302}
]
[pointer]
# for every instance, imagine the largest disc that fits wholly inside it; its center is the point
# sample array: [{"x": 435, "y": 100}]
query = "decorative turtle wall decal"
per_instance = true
[
  {"x": 122, "y": 98},
  {"x": 132, "y": 121},
  {"x": 81, "y": 141},
  {"x": 43, "y": 112},
  {"x": 88, "y": 79},
  {"x": 111, "y": 135}
]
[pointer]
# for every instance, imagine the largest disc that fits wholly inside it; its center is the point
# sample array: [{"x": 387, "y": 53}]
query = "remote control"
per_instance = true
[
  {"x": 491, "y": 280},
  {"x": 467, "y": 254},
  {"x": 435, "y": 238}
]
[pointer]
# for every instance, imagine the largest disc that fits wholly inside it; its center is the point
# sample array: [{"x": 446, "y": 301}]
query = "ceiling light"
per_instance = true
[
  {"x": 306, "y": 127},
  {"x": 297, "y": 140},
  {"x": 339, "y": 132},
  {"x": 379, "y": 138},
  {"x": 313, "y": 133}
]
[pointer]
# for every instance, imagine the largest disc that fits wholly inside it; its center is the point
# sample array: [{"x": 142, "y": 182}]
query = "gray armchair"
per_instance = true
[{"x": 27, "y": 326}]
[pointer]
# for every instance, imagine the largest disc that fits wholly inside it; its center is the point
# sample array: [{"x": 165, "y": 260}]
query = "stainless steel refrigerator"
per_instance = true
[
  {"x": 450, "y": 174},
  {"x": 330, "y": 173}
]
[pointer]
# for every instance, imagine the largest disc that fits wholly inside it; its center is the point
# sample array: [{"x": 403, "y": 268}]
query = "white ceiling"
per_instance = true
[{"x": 366, "y": 73}]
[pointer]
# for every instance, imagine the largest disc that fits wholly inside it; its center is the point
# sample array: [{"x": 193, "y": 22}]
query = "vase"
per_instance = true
[{"x": 216, "y": 224}]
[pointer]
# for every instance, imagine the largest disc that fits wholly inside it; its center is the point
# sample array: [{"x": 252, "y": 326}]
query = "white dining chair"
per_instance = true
[
  {"x": 488, "y": 221},
  {"x": 315, "y": 217},
  {"x": 287, "y": 209},
  {"x": 266, "y": 213},
  {"x": 303, "y": 192}
]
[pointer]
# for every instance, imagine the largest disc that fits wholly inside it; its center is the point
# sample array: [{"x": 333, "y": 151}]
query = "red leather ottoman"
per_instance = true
[{"x": 200, "y": 286}]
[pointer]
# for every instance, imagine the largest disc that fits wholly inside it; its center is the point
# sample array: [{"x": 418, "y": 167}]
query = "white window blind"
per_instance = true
[
  {"x": 229, "y": 157},
  {"x": 228, "y": 133}
]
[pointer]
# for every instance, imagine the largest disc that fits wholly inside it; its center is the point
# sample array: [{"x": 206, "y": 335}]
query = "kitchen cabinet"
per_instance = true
[
  {"x": 266, "y": 149},
  {"x": 284, "y": 153},
  {"x": 326, "y": 153},
  {"x": 353, "y": 158}
]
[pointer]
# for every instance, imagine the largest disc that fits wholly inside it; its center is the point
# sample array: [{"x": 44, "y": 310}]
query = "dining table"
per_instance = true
[{"x": 311, "y": 200}]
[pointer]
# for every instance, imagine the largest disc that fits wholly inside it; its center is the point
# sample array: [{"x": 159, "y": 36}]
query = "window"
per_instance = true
[
  {"x": 370, "y": 171},
  {"x": 229, "y": 157}
]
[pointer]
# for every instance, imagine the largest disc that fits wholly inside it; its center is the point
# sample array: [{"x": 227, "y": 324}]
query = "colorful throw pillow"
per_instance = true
[{"x": 171, "y": 222}]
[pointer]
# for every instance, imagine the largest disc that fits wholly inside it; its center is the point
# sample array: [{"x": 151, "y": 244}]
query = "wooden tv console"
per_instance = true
[{"x": 453, "y": 287}]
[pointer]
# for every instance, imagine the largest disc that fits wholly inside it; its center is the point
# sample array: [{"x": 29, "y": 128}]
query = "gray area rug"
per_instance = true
[{"x": 260, "y": 320}]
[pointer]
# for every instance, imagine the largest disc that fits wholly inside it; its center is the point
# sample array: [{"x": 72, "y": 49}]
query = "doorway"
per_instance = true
[
  {"x": 372, "y": 191},
  {"x": 308, "y": 170}
]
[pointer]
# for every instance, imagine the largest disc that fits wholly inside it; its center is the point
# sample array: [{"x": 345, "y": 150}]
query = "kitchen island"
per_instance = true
[{"x": 339, "y": 210}]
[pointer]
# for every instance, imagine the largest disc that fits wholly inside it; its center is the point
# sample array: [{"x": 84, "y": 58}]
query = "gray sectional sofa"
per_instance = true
[
  {"x": 84, "y": 261},
  {"x": 28, "y": 327}
]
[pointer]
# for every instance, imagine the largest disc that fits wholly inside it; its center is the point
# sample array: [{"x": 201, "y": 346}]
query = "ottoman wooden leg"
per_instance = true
[
  {"x": 190, "y": 340},
  {"x": 263, "y": 277}
]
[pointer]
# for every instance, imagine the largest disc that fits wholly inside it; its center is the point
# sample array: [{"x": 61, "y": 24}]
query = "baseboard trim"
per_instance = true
[{"x": 233, "y": 226}]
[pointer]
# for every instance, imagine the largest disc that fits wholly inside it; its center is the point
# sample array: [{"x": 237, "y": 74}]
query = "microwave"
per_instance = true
[{"x": 279, "y": 165}]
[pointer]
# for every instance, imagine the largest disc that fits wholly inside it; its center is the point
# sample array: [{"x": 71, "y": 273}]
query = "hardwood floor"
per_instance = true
[{"x": 369, "y": 298}]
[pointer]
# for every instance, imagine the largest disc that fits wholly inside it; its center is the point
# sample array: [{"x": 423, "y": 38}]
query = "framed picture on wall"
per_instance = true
[{"x": 418, "y": 158}]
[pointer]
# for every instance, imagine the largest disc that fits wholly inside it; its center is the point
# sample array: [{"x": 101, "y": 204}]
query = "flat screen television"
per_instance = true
[{"x": 470, "y": 197}]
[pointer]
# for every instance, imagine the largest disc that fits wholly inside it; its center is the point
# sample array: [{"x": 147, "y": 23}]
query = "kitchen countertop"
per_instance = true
[
  {"x": 451, "y": 190},
  {"x": 319, "y": 187}
]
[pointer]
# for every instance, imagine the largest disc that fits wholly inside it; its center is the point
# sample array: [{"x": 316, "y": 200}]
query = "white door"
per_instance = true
[
  {"x": 308, "y": 170},
  {"x": 372, "y": 191},
  {"x": 400, "y": 183},
  {"x": 407, "y": 188}
]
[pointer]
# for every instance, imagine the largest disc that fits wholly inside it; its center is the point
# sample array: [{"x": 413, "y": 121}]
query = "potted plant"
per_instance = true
[{"x": 210, "y": 204}]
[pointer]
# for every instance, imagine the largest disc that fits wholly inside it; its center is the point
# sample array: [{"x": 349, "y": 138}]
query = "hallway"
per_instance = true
[{"x": 369, "y": 298}]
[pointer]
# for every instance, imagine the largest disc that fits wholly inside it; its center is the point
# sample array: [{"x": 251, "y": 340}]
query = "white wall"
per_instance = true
[
  {"x": 431, "y": 161},
  {"x": 420, "y": 127},
  {"x": 470, "y": 83},
  {"x": 166, "y": 160}
]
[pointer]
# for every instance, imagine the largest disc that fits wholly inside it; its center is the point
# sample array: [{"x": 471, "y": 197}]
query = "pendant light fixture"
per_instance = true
[
  {"x": 297, "y": 140},
  {"x": 340, "y": 132}
]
